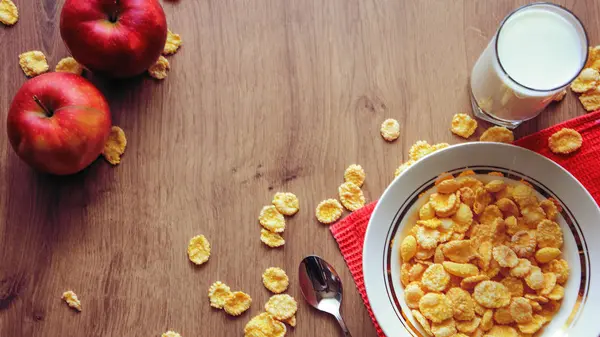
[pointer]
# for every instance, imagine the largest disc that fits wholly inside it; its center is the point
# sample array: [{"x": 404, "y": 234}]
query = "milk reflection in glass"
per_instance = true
[{"x": 535, "y": 54}]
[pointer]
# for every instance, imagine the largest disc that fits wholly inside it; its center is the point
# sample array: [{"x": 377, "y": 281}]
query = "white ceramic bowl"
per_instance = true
[{"x": 579, "y": 314}]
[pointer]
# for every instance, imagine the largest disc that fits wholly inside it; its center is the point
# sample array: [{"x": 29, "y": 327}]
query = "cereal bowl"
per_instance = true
[{"x": 398, "y": 210}]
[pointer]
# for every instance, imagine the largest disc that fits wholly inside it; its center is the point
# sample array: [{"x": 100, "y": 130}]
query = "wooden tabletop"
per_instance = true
[{"x": 265, "y": 96}]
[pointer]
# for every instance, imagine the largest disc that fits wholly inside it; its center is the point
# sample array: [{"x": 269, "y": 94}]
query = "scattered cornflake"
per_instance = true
[
  {"x": 436, "y": 307},
  {"x": 591, "y": 99},
  {"x": 218, "y": 294},
  {"x": 69, "y": 65},
  {"x": 593, "y": 58},
  {"x": 271, "y": 239},
  {"x": 237, "y": 303},
  {"x": 290, "y": 321},
  {"x": 439, "y": 146},
  {"x": 33, "y": 63},
  {"x": 281, "y": 306},
  {"x": 115, "y": 145},
  {"x": 491, "y": 294},
  {"x": 403, "y": 167},
  {"x": 355, "y": 174},
  {"x": 9, "y": 13},
  {"x": 329, "y": 211},
  {"x": 71, "y": 299},
  {"x": 390, "y": 130},
  {"x": 463, "y": 125},
  {"x": 549, "y": 234},
  {"x": 271, "y": 219},
  {"x": 565, "y": 141},
  {"x": 173, "y": 43},
  {"x": 286, "y": 203},
  {"x": 198, "y": 249},
  {"x": 264, "y": 325},
  {"x": 351, "y": 196},
  {"x": 276, "y": 280},
  {"x": 498, "y": 134},
  {"x": 170, "y": 334},
  {"x": 419, "y": 150},
  {"x": 587, "y": 80},
  {"x": 559, "y": 96},
  {"x": 160, "y": 69}
]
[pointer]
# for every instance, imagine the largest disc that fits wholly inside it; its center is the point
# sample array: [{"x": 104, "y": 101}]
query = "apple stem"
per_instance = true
[
  {"x": 115, "y": 14},
  {"x": 48, "y": 112}
]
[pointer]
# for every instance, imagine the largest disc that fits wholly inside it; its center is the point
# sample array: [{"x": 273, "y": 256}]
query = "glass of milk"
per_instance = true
[{"x": 538, "y": 50}]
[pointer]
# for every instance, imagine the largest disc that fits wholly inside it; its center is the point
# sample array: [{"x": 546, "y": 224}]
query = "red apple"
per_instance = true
[
  {"x": 58, "y": 123},
  {"x": 117, "y": 38}
]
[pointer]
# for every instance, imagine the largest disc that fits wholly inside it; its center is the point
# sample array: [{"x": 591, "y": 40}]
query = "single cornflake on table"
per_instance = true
[
  {"x": 498, "y": 134},
  {"x": 390, "y": 130},
  {"x": 170, "y": 334},
  {"x": 271, "y": 219},
  {"x": 281, "y": 307},
  {"x": 69, "y": 65},
  {"x": 419, "y": 150},
  {"x": 218, "y": 294},
  {"x": 9, "y": 13},
  {"x": 173, "y": 43},
  {"x": 329, "y": 211},
  {"x": 276, "y": 280},
  {"x": 355, "y": 174},
  {"x": 198, "y": 249},
  {"x": 115, "y": 145},
  {"x": 71, "y": 299},
  {"x": 33, "y": 63},
  {"x": 264, "y": 325},
  {"x": 587, "y": 80},
  {"x": 286, "y": 203},
  {"x": 565, "y": 141},
  {"x": 463, "y": 125},
  {"x": 271, "y": 239},
  {"x": 237, "y": 303},
  {"x": 160, "y": 69},
  {"x": 351, "y": 196},
  {"x": 591, "y": 99}
]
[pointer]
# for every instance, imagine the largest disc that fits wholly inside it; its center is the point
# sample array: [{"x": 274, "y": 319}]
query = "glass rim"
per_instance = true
[{"x": 587, "y": 44}]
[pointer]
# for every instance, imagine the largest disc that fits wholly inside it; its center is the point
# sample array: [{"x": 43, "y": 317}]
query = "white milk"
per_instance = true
[{"x": 541, "y": 48}]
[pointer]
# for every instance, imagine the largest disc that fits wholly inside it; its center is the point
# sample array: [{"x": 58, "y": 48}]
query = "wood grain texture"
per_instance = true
[{"x": 265, "y": 96}]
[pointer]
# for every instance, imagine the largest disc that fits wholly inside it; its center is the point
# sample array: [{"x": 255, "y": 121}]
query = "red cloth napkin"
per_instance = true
[{"x": 583, "y": 164}]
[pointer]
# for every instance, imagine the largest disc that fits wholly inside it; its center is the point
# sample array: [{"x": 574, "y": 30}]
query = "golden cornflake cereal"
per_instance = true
[
  {"x": 419, "y": 150},
  {"x": 559, "y": 96},
  {"x": 471, "y": 281},
  {"x": 502, "y": 331},
  {"x": 565, "y": 141},
  {"x": 9, "y": 14},
  {"x": 536, "y": 298},
  {"x": 173, "y": 43},
  {"x": 422, "y": 321},
  {"x": 281, "y": 306},
  {"x": 413, "y": 294},
  {"x": 491, "y": 294},
  {"x": 523, "y": 195},
  {"x": 271, "y": 219},
  {"x": 535, "y": 305},
  {"x": 484, "y": 250},
  {"x": 482, "y": 199},
  {"x": 408, "y": 248},
  {"x": 426, "y": 237},
  {"x": 355, "y": 174},
  {"x": 71, "y": 299},
  {"x": 468, "y": 326},
  {"x": 390, "y": 130},
  {"x": 532, "y": 215},
  {"x": 171, "y": 334},
  {"x": 549, "y": 234},
  {"x": 426, "y": 212},
  {"x": 495, "y": 186},
  {"x": 505, "y": 256},
  {"x": 535, "y": 279},
  {"x": 286, "y": 203},
  {"x": 479, "y": 310},
  {"x": 237, "y": 303},
  {"x": 550, "y": 209},
  {"x": 460, "y": 251},
  {"x": 33, "y": 63},
  {"x": 550, "y": 308},
  {"x": 443, "y": 177},
  {"x": 405, "y": 274},
  {"x": 560, "y": 268},
  {"x": 69, "y": 65},
  {"x": 160, "y": 69},
  {"x": 514, "y": 286},
  {"x": 507, "y": 207},
  {"x": 435, "y": 278},
  {"x": 351, "y": 196},
  {"x": 463, "y": 125},
  {"x": 271, "y": 239},
  {"x": 436, "y": 307},
  {"x": 462, "y": 304},
  {"x": 557, "y": 293},
  {"x": 329, "y": 211},
  {"x": 591, "y": 99},
  {"x": 275, "y": 279},
  {"x": 448, "y": 186},
  {"x": 264, "y": 325},
  {"x": 403, "y": 167},
  {"x": 291, "y": 321},
  {"x": 463, "y": 218},
  {"x": 523, "y": 243},
  {"x": 443, "y": 203},
  {"x": 547, "y": 254},
  {"x": 198, "y": 249},
  {"x": 461, "y": 269},
  {"x": 533, "y": 326},
  {"x": 549, "y": 283},
  {"x": 439, "y": 146},
  {"x": 446, "y": 328},
  {"x": 218, "y": 293},
  {"x": 593, "y": 56},
  {"x": 431, "y": 223},
  {"x": 520, "y": 310},
  {"x": 487, "y": 320},
  {"x": 503, "y": 316},
  {"x": 490, "y": 214},
  {"x": 467, "y": 196},
  {"x": 587, "y": 80},
  {"x": 438, "y": 256},
  {"x": 115, "y": 145},
  {"x": 424, "y": 254},
  {"x": 498, "y": 134}
]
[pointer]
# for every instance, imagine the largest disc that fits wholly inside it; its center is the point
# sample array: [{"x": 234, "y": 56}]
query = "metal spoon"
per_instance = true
[{"x": 321, "y": 287}]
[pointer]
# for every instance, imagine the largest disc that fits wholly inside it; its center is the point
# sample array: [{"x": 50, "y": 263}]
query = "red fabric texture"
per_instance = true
[{"x": 584, "y": 164}]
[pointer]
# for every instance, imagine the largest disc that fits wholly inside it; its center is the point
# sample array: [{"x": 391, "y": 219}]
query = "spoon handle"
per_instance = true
[{"x": 342, "y": 325}]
